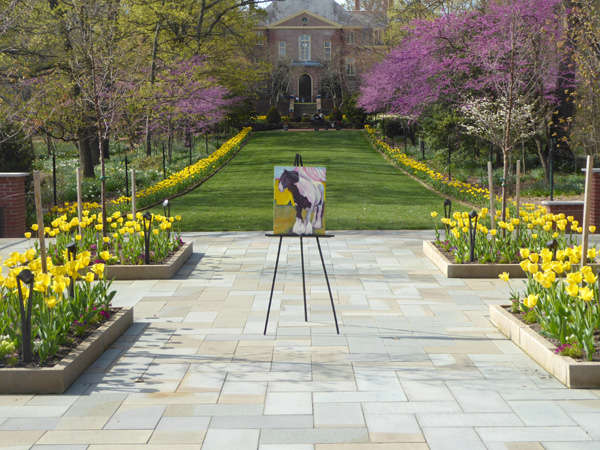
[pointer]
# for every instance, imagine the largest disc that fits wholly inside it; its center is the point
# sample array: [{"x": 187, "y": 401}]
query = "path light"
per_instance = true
[
  {"x": 72, "y": 249},
  {"x": 447, "y": 213},
  {"x": 147, "y": 221},
  {"x": 552, "y": 246},
  {"x": 25, "y": 276},
  {"x": 472, "y": 234}
]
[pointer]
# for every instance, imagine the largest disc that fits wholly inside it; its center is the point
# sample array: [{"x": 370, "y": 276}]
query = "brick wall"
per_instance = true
[
  {"x": 574, "y": 209},
  {"x": 12, "y": 201}
]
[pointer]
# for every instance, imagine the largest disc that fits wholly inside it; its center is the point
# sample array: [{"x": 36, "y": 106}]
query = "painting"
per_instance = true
[{"x": 299, "y": 205}]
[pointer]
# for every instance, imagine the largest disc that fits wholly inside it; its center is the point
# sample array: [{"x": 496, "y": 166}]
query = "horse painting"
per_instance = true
[{"x": 308, "y": 193}]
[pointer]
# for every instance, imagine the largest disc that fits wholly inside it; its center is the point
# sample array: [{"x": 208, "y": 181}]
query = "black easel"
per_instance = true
[{"x": 298, "y": 163}]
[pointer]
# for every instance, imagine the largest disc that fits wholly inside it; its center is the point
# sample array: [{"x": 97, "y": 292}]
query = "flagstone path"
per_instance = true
[{"x": 417, "y": 363}]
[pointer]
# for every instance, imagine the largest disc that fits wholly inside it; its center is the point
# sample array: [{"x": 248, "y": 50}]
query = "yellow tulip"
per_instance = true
[
  {"x": 51, "y": 302},
  {"x": 34, "y": 227},
  {"x": 524, "y": 265},
  {"x": 530, "y": 301},
  {"x": 534, "y": 257},
  {"x": 28, "y": 235},
  {"x": 89, "y": 277},
  {"x": 524, "y": 253},
  {"x": 586, "y": 294},
  {"x": 572, "y": 289},
  {"x": 532, "y": 267},
  {"x": 574, "y": 278},
  {"x": 105, "y": 255},
  {"x": 503, "y": 276},
  {"x": 434, "y": 214}
]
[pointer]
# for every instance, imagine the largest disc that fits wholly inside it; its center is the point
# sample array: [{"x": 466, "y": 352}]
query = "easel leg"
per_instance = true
[
  {"x": 303, "y": 280},
  {"x": 328, "y": 287},
  {"x": 273, "y": 285}
]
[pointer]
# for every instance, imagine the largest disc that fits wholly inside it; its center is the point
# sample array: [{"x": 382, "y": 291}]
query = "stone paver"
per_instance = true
[{"x": 416, "y": 365}]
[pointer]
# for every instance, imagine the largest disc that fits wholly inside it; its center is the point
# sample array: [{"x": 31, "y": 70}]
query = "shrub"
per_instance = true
[
  {"x": 273, "y": 115},
  {"x": 353, "y": 113},
  {"x": 16, "y": 151}
]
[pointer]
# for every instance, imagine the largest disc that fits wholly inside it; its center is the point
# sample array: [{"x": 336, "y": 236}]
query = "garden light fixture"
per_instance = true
[
  {"x": 25, "y": 276},
  {"x": 552, "y": 246},
  {"x": 472, "y": 234},
  {"x": 447, "y": 213},
  {"x": 147, "y": 221}
]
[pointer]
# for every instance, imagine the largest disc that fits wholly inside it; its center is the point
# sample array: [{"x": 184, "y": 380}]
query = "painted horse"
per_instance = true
[{"x": 309, "y": 196}]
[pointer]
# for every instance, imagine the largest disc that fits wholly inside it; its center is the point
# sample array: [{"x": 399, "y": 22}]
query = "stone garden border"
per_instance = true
[
  {"x": 57, "y": 379},
  {"x": 166, "y": 270},
  {"x": 451, "y": 270},
  {"x": 571, "y": 373}
]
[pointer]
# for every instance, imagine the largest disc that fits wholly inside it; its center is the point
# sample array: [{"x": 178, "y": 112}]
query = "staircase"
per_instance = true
[{"x": 309, "y": 109}]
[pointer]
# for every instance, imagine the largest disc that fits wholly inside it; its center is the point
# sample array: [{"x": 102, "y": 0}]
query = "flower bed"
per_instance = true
[
  {"x": 57, "y": 379},
  {"x": 459, "y": 190},
  {"x": 572, "y": 373}
]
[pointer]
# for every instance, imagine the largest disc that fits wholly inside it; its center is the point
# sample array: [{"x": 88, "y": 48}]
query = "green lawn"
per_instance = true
[{"x": 364, "y": 191}]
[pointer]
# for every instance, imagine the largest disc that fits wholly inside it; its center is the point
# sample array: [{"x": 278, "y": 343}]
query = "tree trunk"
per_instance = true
[
  {"x": 106, "y": 148},
  {"x": 85, "y": 137},
  {"x": 95, "y": 146},
  {"x": 543, "y": 159}
]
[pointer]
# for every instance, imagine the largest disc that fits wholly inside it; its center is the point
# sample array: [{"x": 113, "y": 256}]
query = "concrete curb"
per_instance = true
[
  {"x": 451, "y": 270},
  {"x": 571, "y": 373},
  {"x": 57, "y": 379},
  {"x": 167, "y": 270}
]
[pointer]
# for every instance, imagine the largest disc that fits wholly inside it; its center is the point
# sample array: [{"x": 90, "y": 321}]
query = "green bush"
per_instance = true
[
  {"x": 16, "y": 151},
  {"x": 353, "y": 113},
  {"x": 273, "y": 115}
]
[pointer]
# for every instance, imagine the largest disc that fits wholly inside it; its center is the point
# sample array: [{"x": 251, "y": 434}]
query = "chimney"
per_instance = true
[{"x": 356, "y": 5}]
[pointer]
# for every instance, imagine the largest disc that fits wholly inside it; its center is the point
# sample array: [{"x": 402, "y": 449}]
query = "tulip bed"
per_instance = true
[
  {"x": 559, "y": 296},
  {"x": 63, "y": 302},
  {"x": 174, "y": 184},
  {"x": 533, "y": 228},
  {"x": 459, "y": 190},
  {"x": 562, "y": 299},
  {"x": 66, "y": 299}
]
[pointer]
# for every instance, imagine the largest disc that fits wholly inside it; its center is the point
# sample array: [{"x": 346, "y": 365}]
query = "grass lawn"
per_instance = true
[{"x": 364, "y": 191}]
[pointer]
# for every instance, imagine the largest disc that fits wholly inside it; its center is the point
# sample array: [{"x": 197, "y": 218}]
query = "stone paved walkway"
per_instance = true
[{"x": 417, "y": 363}]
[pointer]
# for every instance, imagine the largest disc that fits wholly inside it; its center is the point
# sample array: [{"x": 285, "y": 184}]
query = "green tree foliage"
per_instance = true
[{"x": 16, "y": 151}]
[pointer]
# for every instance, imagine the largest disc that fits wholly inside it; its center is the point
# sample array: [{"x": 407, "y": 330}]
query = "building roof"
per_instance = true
[{"x": 328, "y": 9}]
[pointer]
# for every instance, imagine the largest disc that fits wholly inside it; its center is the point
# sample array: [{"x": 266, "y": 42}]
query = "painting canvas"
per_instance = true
[{"x": 299, "y": 205}]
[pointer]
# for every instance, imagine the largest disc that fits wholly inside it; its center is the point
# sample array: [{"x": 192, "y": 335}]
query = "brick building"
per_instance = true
[{"x": 317, "y": 51}]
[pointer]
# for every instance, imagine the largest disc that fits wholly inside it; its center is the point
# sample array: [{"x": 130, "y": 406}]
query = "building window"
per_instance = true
[
  {"x": 350, "y": 69},
  {"x": 260, "y": 38},
  {"x": 349, "y": 37},
  {"x": 304, "y": 53},
  {"x": 281, "y": 50},
  {"x": 377, "y": 36},
  {"x": 327, "y": 51}
]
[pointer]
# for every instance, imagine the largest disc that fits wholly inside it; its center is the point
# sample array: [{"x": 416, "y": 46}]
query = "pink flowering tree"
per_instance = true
[
  {"x": 184, "y": 99},
  {"x": 503, "y": 57}
]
